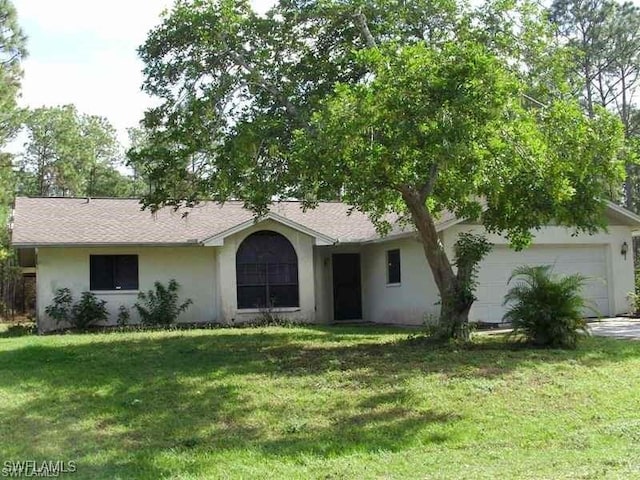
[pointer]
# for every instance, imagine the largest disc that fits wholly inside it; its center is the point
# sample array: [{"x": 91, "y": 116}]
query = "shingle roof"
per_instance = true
[
  {"x": 100, "y": 221},
  {"x": 113, "y": 221}
]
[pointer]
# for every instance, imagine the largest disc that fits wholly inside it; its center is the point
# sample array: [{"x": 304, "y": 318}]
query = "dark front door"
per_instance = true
[{"x": 347, "y": 295}]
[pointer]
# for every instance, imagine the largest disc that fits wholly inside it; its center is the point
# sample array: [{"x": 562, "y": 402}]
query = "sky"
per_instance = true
[{"x": 84, "y": 52}]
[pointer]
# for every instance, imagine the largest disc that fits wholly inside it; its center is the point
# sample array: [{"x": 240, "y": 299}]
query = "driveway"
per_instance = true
[{"x": 616, "y": 327}]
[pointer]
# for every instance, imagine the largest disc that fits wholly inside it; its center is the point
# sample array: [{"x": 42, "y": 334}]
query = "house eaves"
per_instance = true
[
  {"x": 194, "y": 243},
  {"x": 622, "y": 213}
]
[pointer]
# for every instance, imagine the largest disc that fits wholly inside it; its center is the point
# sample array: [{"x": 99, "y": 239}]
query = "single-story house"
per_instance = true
[{"x": 323, "y": 265}]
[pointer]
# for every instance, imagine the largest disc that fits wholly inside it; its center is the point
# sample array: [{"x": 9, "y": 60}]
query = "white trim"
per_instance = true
[
  {"x": 105, "y": 245},
  {"x": 240, "y": 311},
  {"x": 115, "y": 292},
  {"x": 624, "y": 212},
  {"x": 389, "y": 238},
  {"x": 217, "y": 240}
]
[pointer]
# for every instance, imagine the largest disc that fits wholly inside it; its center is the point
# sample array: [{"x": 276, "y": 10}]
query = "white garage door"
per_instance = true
[{"x": 495, "y": 269}]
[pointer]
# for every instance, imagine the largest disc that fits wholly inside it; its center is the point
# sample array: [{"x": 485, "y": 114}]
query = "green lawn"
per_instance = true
[{"x": 318, "y": 403}]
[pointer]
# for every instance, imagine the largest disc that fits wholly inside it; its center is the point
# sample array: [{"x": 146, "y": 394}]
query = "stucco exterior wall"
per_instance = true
[
  {"x": 406, "y": 303},
  {"x": 417, "y": 295},
  {"x": 323, "y": 284},
  {"x": 208, "y": 275},
  {"x": 226, "y": 272},
  {"x": 193, "y": 267}
]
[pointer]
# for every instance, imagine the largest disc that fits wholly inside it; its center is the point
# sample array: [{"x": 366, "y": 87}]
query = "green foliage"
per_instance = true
[
  {"x": 124, "y": 316},
  {"x": 634, "y": 302},
  {"x": 12, "y": 52},
  {"x": 20, "y": 330},
  {"x": 469, "y": 250},
  {"x": 547, "y": 310},
  {"x": 70, "y": 154},
  {"x": 161, "y": 306},
  {"x": 85, "y": 313},
  {"x": 88, "y": 311},
  {"x": 450, "y": 122},
  {"x": 60, "y": 309},
  {"x": 604, "y": 35}
]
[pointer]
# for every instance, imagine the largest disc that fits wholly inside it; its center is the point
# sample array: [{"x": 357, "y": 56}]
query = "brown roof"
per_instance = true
[{"x": 110, "y": 221}]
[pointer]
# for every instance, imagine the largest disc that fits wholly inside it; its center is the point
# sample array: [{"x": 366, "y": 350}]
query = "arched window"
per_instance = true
[{"x": 267, "y": 271}]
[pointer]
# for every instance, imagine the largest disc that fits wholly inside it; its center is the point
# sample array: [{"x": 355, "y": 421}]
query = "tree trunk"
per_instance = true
[
  {"x": 454, "y": 311},
  {"x": 628, "y": 184}
]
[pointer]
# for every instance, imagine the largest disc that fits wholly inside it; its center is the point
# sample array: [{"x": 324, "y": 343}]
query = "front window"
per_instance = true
[
  {"x": 113, "y": 272},
  {"x": 267, "y": 272}
]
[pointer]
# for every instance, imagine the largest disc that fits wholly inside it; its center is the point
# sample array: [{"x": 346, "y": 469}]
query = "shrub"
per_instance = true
[
  {"x": 161, "y": 307},
  {"x": 546, "y": 309},
  {"x": 634, "y": 303},
  {"x": 60, "y": 309},
  {"x": 123, "y": 316},
  {"x": 87, "y": 312}
]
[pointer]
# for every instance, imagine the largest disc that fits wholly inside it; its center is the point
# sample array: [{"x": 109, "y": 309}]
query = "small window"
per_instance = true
[
  {"x": 393, "y": 266},
  {"x": 113, "y": 272}
]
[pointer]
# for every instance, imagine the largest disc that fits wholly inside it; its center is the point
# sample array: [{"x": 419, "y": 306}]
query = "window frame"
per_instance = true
[
  {"x": 118, "y": 283},
  {"x": 264, "y": 273},
  {"x": 390, "y": 266}
]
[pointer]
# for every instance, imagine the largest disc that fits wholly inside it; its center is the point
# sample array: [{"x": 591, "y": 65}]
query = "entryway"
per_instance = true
[{"x": 347, "y": 287}]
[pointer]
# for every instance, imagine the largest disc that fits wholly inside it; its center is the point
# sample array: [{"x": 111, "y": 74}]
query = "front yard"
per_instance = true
[{"x": 318, "y": 403}]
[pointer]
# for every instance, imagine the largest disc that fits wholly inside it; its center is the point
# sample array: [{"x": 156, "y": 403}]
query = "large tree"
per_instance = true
[
  {"x": 12, "y": 52},
  {"x": 401, "y": 109},
  {"x": 605, "y": 34},
  {"x": 70, "y": 154}
]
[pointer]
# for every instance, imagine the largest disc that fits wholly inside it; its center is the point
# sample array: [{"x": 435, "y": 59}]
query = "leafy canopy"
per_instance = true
[
  {"x": 301, "y": 104},
  {"x": 451, "y": 122},
  {"x": 70, "y": 153}
]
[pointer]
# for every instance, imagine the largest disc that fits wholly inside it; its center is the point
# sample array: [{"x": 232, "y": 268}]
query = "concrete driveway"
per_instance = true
[{"x": 616, "y": 327}]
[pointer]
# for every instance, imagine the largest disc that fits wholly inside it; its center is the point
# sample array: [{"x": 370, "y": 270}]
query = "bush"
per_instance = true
[
  {"x": 60, "y": 309},
  {"x": 634, "y": 303},
  {"x": 161, "y": 307},
  {"x": 87, "y": 312},
  {"x": 123, "y": 316},
  {"x": 546, "y": 309}
]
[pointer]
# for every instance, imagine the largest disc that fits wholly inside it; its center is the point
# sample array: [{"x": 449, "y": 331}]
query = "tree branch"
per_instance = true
[
  {"x": 427, "y": 188},
  {"x": 291, "y": 109},
  {"x": 361, "y": 23}
]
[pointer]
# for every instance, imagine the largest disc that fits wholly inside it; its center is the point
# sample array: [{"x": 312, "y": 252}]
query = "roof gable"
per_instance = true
[{"x": 217, "y": 240}]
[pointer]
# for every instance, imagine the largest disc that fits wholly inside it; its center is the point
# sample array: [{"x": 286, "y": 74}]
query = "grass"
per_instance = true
[{"x": 327, "y": 403}]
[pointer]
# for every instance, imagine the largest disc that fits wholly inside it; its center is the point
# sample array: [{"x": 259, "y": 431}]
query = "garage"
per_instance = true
[{"x": 495, "y": 270}]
